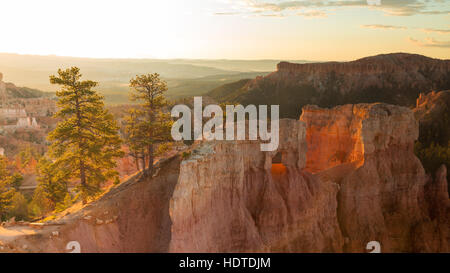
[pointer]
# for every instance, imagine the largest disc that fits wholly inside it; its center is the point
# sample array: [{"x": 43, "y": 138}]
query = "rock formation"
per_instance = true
[
  {"x": 386, "y": 63},
  {"x": 383, "y": 71},
  {"x": 9, "y": 113},
  {"x": 27, "y": 122},
  {"x": 367, "y": 186},
  {"x": 21, "y": 107},
  {"x": 231, "y": 198},
  {"x": 313, "y": 194},
  {"x": 391, "y": 78},
  {"x": 383, "y": 186}
]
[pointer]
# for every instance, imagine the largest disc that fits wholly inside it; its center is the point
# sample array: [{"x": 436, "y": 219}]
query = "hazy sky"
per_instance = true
[{"x": 231, "y": 29}]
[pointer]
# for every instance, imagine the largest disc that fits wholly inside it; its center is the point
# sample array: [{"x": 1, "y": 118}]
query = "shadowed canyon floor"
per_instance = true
[{"x": 340, "y": 178}]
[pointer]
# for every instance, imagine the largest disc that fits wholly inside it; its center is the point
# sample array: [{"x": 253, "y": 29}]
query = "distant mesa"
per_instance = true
[
  {"x": 376, "y": 64},
  {"x": 396, "y": 78}
]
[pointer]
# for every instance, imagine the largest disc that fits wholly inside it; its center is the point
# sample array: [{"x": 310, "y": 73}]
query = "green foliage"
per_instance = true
[
  {"x": 7, "y": 192},
  {"x": 85, "y": 142},
  {"x": 432, "y": 148},
  {"x": 67, "y": 203},
  {"x": 52, "y": 180},
  {"x": 162, "y": 148},
  {"x": 186, "y": 155},
  {"x": 52, "y": 190},
  {"x": 148, "y": 125},
  {"x": 229, "y": 91},
  {"x": 16, "y": 180},
  {"x": 18, "y": 207},
  {"x": 116, "y": 181},
  {"x": 27, "y": 153},
  {"x": 433, "y": 156},
  {"x": 135, "y": 135},
  {"x": 435, "y": 127},
  {"x": 40, "y": 205}
]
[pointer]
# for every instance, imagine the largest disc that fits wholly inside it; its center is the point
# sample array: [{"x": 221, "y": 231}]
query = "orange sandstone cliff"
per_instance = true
[
  {"x": 383, "y": 186},
  {"x": 231, "y": 198},
  {"x": 340, "y": 178}
]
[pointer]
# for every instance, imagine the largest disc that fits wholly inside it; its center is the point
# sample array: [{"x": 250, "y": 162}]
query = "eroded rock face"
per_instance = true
[
  {"x": 340, "y": 178},
  {"x": 350, "y": 133},
  {"x": 383, "y": 197},
  {"x": 228, "y": 199}
]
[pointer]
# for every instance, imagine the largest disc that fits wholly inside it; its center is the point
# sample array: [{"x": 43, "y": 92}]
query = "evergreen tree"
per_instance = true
[
  {"x": 7, "y": 192},
  {"x": 40, "y": 205},
  {"x": 86, "y": 140},
  {"x": 18, "y": 207},
  {"x": 151, "y": 124},
  {"x": 135, "y": 137},
  {"x": 52, "y": 180}
]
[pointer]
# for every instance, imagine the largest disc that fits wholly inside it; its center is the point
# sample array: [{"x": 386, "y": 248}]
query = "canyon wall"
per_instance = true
[
  {"x": 230, "y": 198},
  {"x": 361, "y": 182},
  {"x": 383, "y": 197},
  {"x": 340, "y": 178}
]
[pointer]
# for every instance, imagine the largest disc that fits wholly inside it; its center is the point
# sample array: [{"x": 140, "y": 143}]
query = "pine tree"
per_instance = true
[
  {"x": 151, "y": 125},
  {"x": 135, "y": 137},
  {"x": 7, "y": 192},
  {"x": 40, "y": 205},
  {"x": 86, "y": 140},
  {"x": 52, "y": 180},
  {"x": 19, "y": 207}
]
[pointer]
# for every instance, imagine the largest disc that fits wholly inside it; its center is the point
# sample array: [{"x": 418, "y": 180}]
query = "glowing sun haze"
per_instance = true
[{"x": 231, "y": 29}]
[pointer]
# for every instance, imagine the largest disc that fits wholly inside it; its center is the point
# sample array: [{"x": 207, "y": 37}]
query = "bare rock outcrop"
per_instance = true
[
  {"x": 340, "y": 178},
  {"x": 361, "y": 183},
  {"x": 231, "y": 197},
  {"x": 349, "y": 133},
  {"x": 385, "y": 195}
]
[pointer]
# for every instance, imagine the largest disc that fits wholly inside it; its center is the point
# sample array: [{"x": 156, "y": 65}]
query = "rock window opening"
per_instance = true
[{"x": 278, "y": 167}]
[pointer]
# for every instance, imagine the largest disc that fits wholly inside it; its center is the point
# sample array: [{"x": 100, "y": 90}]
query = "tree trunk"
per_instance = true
[
  {"x": 82, "y": 167},
  {"x": 83, "y": 180},
  {"x": 136, "y": 161},
  {"x": 150, "y": 160},
  {"x": 143, "y": 163}
]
